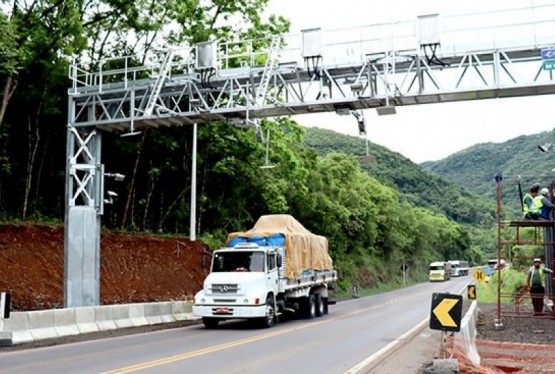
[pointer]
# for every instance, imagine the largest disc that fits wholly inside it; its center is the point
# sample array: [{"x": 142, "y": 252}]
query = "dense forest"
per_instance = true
[{"x": 375, "y": 215}]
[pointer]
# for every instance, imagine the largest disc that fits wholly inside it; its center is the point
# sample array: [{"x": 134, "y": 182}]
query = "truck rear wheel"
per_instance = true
[
  {"x": 310, "y": 311},
  {"x": 210, "y": 323},
  {"x": 326, "y": 305},
  {"x": 319, "y": 307}
]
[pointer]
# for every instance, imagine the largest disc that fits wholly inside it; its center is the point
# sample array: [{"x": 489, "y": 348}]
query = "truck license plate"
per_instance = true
[{"x": 222, "y": 310}]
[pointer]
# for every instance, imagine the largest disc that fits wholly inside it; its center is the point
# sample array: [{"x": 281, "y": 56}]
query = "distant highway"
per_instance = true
[{"x": 352, "y": 332}]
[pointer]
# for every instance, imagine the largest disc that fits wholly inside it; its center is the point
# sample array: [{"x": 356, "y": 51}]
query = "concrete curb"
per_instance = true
[{"x": 25, "y": 327}]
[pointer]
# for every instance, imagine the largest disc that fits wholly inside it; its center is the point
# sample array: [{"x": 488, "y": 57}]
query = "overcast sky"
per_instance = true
[{"x": 431, "y": 131}]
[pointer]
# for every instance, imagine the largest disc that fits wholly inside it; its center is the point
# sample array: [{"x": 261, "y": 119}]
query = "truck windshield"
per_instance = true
[
  {"x": 434, "y": 267},
  {"x": 238, "y": 261}
]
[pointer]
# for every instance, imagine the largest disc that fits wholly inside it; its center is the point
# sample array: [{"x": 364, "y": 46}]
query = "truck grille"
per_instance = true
[{"x": 224, "y": 288}]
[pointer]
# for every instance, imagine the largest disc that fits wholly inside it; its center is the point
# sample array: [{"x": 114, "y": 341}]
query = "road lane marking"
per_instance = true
[{"x": 203, "y": 351}]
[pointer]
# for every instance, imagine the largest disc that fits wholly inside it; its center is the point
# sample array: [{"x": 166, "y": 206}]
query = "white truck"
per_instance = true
[
  {"x": 275, "y": 268},
  {"x": 459, "y": 268}
]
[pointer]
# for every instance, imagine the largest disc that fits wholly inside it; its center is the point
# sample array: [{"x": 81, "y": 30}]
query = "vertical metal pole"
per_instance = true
[
  {"x": 192, "y": 231},
  {"x": 70, "y": 152},
  {"x": 496, "y": 67},
  {"x": 404, "y": 274},
  {"x": 498, "y": 179},
  {"x": 443, "y": 349}
]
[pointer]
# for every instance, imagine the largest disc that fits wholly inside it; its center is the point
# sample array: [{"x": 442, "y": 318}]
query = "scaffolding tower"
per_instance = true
[{"x": 542, "y": 235}]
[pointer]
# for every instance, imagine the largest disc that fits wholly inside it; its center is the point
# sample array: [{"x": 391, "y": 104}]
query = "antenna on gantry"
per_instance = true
[
  {"x": 363, "y": 130},
  {"x": 132, "y": 131}
]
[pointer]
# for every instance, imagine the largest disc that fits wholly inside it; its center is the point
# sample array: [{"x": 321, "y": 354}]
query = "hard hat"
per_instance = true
[
  {"x": 544, "y": 191},
  {"x": 537, "y": 260}
]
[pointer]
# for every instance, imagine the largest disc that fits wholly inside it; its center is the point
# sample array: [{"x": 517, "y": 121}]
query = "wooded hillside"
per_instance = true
[
  {"x": 474, "y": 168},
  {"x": 370, "y": 225}
]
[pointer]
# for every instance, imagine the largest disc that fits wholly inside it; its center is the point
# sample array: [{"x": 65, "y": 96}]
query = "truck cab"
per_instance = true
[
  {"x": 243, "y": 283},
  {"x": 440, "y": 271}
]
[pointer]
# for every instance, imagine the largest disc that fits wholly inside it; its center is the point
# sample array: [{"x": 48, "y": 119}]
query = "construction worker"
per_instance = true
[
  {"x": 546, "y": 206},
  {"x": 530, "y": 203},
  {"x": 536, "y": 283}
]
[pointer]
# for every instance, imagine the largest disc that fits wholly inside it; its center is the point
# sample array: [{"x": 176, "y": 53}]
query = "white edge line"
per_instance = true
[
  {"x": 355, "y": 369},
  {"x": 361, "y": 365}
]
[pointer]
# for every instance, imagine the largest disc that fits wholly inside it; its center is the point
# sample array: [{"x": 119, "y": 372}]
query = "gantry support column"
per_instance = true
[{"x": 84, "y": 185}]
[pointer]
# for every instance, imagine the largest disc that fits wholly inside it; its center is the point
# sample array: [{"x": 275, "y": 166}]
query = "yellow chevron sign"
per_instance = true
[
  {"x": 446, "y": 312},
  {"x": 471, "y": 292}
]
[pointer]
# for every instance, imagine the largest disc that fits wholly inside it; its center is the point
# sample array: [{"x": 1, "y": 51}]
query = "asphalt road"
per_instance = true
[{"x": 353, "y": 332}]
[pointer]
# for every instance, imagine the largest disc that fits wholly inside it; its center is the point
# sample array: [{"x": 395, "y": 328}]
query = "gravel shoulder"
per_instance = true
[{"x": 517, "y": 330}]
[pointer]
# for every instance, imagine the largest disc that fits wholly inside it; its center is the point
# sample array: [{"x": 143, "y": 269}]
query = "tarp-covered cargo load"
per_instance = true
[{"x": 305, "y": 250}]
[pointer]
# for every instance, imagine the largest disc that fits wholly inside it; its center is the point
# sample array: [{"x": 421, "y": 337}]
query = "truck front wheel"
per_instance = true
[
  {"x": 270, "y": 319},
  {"x": 210, "y": 323}
]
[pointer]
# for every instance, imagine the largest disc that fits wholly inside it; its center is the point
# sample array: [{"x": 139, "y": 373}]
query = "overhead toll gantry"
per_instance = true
[{"x": 431, "y": 59}]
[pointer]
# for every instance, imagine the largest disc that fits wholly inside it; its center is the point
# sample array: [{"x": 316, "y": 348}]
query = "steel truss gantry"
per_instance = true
[
  {"x": 476, "y": 56},
  {"x": 174, "y": 89}
]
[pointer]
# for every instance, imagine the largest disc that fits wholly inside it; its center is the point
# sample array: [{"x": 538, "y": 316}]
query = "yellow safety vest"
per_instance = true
[{"x": 542, "y": 275}]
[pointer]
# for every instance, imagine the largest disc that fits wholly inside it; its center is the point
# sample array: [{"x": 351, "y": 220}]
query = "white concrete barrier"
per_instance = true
[
  {"x": 466, "y": 343},
  {"x": 156, "y": 313},
  {"x": 167, "y": 312},
  {"x": 18, "y": 325},
  {"x": 41, "y": 324},
  {"x": 121, "y": 316},
  {"x": 104, "y": 317},
  {"x": 25, "y": 327},
  {"x": 65, "y": 322},
  {"x": 137, "y": 314},
  {"x": 85, "y": 319},
  {"x": 182, "y": 310}
]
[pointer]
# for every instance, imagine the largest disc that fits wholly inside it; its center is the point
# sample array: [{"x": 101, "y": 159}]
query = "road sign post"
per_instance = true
[
  {"x": 404, "y": 269},
  {"x": 446, "y": 315}
]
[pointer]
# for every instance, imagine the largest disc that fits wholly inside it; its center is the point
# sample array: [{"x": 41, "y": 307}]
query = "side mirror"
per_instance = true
[
  {"x": 205, "y": 259},
  {"x": 279, "y": 260}
]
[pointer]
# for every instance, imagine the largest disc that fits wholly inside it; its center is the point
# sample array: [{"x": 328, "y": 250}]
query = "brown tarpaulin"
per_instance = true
[{"x": 305, "y": 250}]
